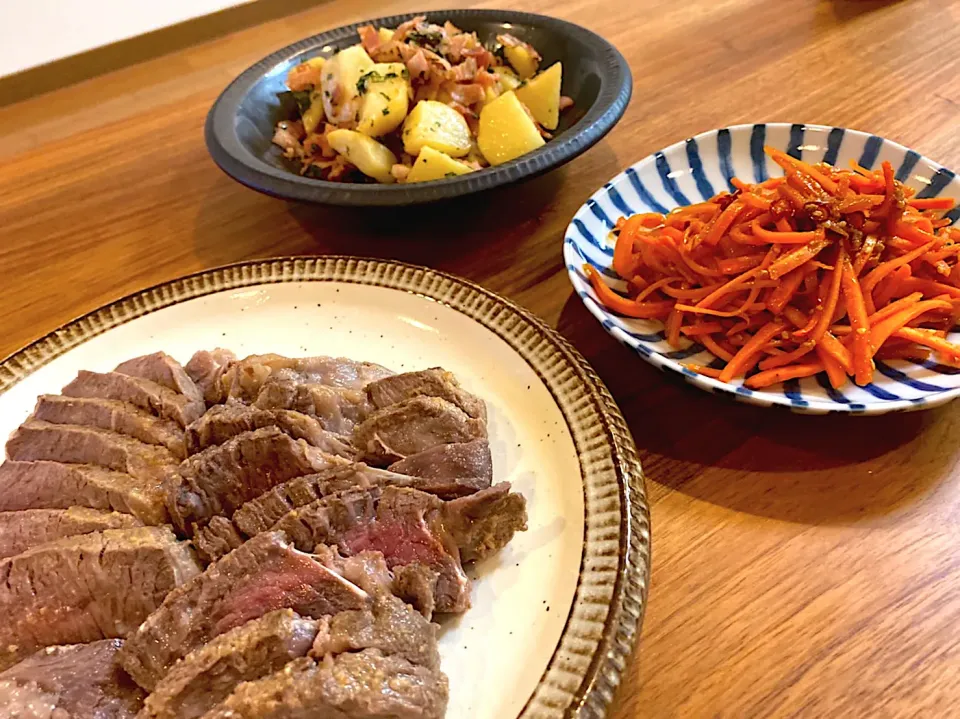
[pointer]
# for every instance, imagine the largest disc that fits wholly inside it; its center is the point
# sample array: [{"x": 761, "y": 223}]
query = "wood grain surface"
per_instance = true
[{"x": 803, "y": 566}]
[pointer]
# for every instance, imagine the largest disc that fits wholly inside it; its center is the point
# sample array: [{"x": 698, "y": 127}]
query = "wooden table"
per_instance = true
[{"x": 803, "y": 566}]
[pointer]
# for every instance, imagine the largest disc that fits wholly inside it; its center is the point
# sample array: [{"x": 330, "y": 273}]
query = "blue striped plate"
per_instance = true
[{"x": 696, "y": 169}]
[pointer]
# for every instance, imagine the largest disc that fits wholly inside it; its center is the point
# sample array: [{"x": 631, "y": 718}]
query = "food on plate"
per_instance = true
[
  {"x": 822, "y": 270},
  {"x": 323, "y": 511},
  {"x": 418, "y": 103}
]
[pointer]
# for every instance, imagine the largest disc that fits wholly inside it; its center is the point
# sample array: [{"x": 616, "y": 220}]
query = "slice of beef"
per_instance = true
[
  {"x": 451, "y": 462},
  {"x": 163, "y": 369},
  {"x": 207, "y": 676},
  {"x": 389, "y": 625},
  {"x": 220, "y": 479},
  {"x": 326, "y": 520},
  {"x": 262, "y": 575},
  {"x": 21, "y": 530},
  {"x": 337, "y": 409},
  {"x": 483, "y": 523},
  {"x": 205, "y": 369},
  {"x": 78, "y": 681},
  {"x": 412, "y": 426},
  {"x": 121, "y": 417},
  {"x": 90, "y": 587},
  {"x": 44, "y": 484},
  {"x": 245, "y": 378},
  {"x": 362, "y": 685},
  {"x": 416, "y": 584},
  {"x": 36, "y": 440},
  {"x": 224, "y": 421},
  {"x": 434, "y": 382},
  {"x": 409, "y": 530},
  {"x": 144, "y": 393},
  {"x": 216, "y": 539}
]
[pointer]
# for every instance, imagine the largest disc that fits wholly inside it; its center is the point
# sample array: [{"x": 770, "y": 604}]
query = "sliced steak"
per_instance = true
[
  {"x": 364, "y": 685},
  {"x": 216, "y": 539},
  {"x": 483, "y": 523},
  {"x": 163, "y": 369},
  {"x": 412, "y": 426},
  {"x": 218, "y": 480},
  {"x": 44, "y": 484},
  {"x": 409, "y": 530},
  {"x": 205, "y": 369},
  {"x": 225, "y": 421},
  {"x": 207, "y": 676},
  {"x": 121, "y": 417},
  {"x": 21, "y": 530},
  {"x": 326, "y": 520},
  {"x": 416, "y": 584},
  {"x": 36, "y": 440},
  {"x": 144, "y": 393},
  {"x": 262, "y": 575},
  {"x": 79, "y": 681},
  {"x": 245, "y": 378},
  {"x": 94, "y": 586},
  {"x": 337, "y": 409},
  {"x": 456, "y": 463},
  {"x": 435, "y": 382},
  {"x": 389, "y": 625}
]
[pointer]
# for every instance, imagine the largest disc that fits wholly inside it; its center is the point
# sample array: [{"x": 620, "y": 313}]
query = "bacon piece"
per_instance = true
[{"x": 369, "y": 38}]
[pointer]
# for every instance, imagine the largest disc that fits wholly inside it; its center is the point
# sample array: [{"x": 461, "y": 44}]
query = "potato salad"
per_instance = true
[{"x": 417, "y": 103}]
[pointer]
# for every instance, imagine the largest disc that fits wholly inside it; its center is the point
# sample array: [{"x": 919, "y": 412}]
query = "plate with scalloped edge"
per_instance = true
[
  {"x": 697, "y": 168},
  {"x": 556, "y": 612}
]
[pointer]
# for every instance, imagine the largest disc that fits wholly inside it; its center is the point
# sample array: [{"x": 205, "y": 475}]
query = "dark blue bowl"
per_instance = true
[{"x": 241, "y": 122}]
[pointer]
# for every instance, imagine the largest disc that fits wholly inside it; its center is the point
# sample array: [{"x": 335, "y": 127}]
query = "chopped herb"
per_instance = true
[
  {"x": 303, "y": 100},
  {"x": 429, "y": 38},
  {"x": 436, "y": 124},
  {"x": 390, "y": 76},
  {"x": 372, "y": 76},
  {"x": 450, "y": 174},
  {"x": 329, "y": 75},
  {"x": 385, "y": 96},
  {"x": 385, "y": 111}
]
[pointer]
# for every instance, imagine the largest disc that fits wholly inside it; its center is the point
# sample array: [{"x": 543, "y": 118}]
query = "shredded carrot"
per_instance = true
[{"x": 820, "y": 270}]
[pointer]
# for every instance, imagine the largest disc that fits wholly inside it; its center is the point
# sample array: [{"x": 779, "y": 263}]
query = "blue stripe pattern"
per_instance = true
[
  {"x": 833, "y": 145},
  {"x": 642, "y": 191},
  {"x": 669, "y": 184},
  {"x": 906, "y": 167},
  {"x": 796, "y": 139},
  {"x": 758, "y": 137},
  {"x": 897, "y": 385},
  {"x": 724, "y": 145},
  {"x": 870, "y": 152},
  {"x": 696, "y": 164},
  {"x": 940, "y": 179}
]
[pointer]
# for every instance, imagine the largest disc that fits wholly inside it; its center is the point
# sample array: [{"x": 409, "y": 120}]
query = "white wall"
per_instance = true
[{"x": 34, "y": 32}]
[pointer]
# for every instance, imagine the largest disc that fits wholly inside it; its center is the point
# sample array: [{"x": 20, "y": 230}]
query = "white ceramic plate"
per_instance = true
[
  {"x": 697, "y": 168},
  {"x": 555, "y": 613}
]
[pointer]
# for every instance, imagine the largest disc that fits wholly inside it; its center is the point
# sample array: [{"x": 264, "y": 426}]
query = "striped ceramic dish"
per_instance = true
[{"x": 696, "y": 169}]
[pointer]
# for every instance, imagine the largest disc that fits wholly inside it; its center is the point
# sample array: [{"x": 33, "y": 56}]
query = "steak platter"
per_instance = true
[{"x": 265, "y": 537}]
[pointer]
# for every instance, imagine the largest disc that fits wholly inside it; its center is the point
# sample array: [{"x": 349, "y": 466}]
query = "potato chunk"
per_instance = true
[
  {"x": 433, "y": 165},
  {"x": 523, "y": 60},
  {"x": 369, "y": 156},
  {"x": 340, "y": 74},
  {"x": 386, "y": 34},
  {"x": 433, "y": 124},
  {"x": 506, "y": 131},
  {"x": 386, "y": 98},
  {"x": 541, "y": 95}
]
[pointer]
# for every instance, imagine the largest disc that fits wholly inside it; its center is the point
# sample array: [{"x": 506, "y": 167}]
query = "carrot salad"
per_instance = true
[{"x": 822, "y": 270}]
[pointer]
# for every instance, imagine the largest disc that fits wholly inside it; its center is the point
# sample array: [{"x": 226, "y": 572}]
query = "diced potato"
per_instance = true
[
  {"x": 369, "y": 156},
  {"x": 433, "y": 124},
  {"x": 314, "y": 114},
  {"x": 316, "y": 62},
  {"x": 354, "y": 64},
  {"x": 341, "y": 98},
  {"x": 506, "y": 131},
  {"x": 385, "y": 99},
  {"x": 508, "y": 79},
  {"x": 386, "y": 34},
  {"x": 541, "y": 95},
  {"x": 490, "y": 94},
  {"x": 433, "y": 165},
  {"x": 523, "y": 61}
]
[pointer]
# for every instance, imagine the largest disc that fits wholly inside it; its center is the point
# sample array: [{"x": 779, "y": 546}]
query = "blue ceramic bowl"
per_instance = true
[
  {"x": 241, "y": 123},
  {"x": 694, "y": 170}
]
